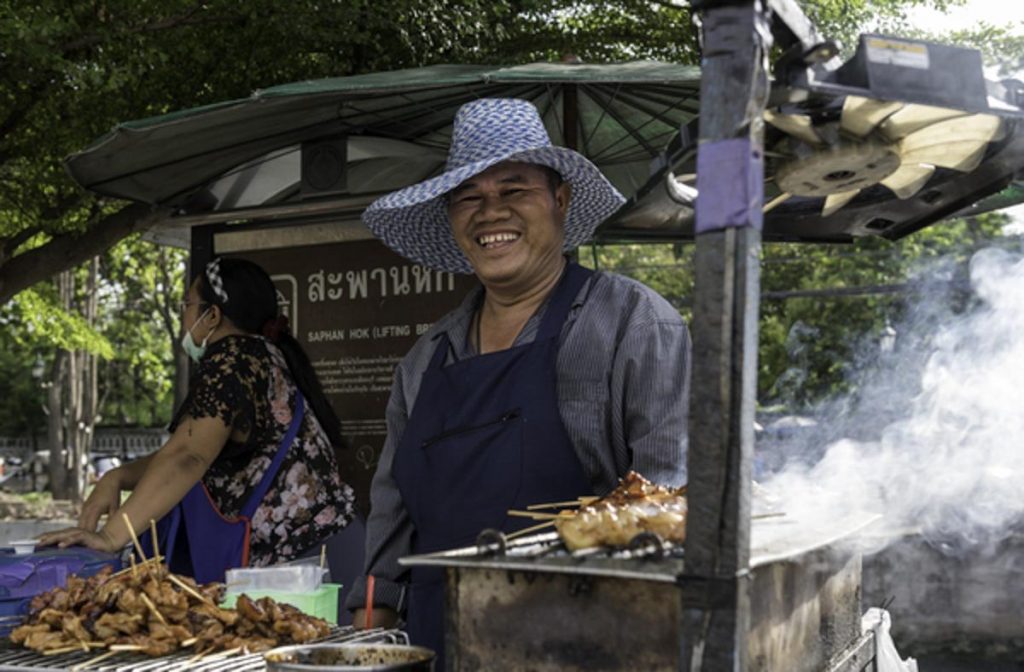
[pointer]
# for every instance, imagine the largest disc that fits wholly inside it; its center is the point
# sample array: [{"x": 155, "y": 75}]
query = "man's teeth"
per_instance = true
[{"x": 491, "y": 238}]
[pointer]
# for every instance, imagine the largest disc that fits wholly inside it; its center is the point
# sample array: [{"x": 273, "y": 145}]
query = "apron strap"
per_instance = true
[
  {"x": 268, "y": 476},
  {"x": 572, "y": 281}
]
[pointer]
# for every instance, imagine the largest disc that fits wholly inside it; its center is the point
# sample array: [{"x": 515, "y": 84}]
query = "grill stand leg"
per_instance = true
[{"x": 730, "y": 174}]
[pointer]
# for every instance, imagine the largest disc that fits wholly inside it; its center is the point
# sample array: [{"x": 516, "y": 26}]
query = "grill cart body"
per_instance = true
[{"x": 533, "y": 606}]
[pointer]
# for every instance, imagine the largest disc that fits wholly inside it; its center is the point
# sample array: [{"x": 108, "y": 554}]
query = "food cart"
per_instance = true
[{"x": 281, "y": 178}]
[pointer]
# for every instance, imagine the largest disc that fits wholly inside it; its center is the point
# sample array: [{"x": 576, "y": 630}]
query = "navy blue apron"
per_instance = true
[
  {"x": 485, "y": 436},
  {"x": 200, "y": 541}
]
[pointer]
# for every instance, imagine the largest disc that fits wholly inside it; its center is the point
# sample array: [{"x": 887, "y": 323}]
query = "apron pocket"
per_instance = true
[{"x": 475, "y": 474}]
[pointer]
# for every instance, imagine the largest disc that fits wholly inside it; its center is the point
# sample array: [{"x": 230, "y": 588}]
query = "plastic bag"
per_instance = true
[{"x": 887, "y": 657}]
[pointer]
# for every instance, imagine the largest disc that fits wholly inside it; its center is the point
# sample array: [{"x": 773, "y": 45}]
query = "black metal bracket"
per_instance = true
[
  {"x": 790, "y": 25},
  {"x": 709, "y": 592}
]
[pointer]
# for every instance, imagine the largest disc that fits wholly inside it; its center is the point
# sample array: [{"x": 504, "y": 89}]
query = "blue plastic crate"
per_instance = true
[{"x": 22, "y": 577}]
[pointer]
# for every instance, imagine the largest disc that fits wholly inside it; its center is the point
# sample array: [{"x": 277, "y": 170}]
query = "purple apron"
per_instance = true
[
  {"x": 198, "y": 540},
  {"x": 485, "y": 436}
]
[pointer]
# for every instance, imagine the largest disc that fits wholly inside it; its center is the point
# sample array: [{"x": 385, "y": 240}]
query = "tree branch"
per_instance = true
[
  {"x": 11, "y": 243},
  {"x": 67, "y": 251},
  {"x": 165, "y": 302},
  {"x": 168, "y": 23},
  {"x": 64, "y": 205}
]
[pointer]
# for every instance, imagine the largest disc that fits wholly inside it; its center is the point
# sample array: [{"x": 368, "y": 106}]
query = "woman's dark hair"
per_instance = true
[{"x": 252, "y": 307}]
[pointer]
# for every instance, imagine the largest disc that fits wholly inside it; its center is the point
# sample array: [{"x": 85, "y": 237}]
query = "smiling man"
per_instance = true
[{"x": 548, "y": 383}]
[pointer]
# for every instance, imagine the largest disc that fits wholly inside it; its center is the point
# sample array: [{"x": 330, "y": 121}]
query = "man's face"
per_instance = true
[{"x": 509, "y": 223}]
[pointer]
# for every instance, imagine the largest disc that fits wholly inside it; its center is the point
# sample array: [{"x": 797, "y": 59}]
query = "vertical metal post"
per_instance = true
[
  {"x": 570, "y": 116},
  {"x": 730, "y": 172}
]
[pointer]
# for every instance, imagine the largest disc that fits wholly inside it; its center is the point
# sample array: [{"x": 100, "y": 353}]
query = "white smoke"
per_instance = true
[{"x": 945, "y": 413}]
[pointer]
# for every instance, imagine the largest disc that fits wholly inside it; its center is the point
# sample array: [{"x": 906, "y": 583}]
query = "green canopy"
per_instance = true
[
  {"x": 621, "y": 116},
  {"x": 636, "y": 121}
]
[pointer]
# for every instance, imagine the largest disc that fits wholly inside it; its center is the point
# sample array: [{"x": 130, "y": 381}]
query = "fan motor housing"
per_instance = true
[
  {"x": 915, "y": 71},
  {"x": 839, "y": 168}
]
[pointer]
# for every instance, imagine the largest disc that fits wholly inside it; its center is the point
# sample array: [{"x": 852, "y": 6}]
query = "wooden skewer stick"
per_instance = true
[
  {"x": 579, "y": 501},
  {"x": 128, "y": 569},
  {"x": 323, "y": 555},
  {"x": 190, "y": 641},
  {"x": 538, "y": 516},
  {"x": 188, "y": 589},
  {"x": 126, "y": 647},
  {"x": 93, "y": 661},
  {"x": 152, "y": 607},
  {"x": 135, "y": 539},
  {"x": 94, "y": 645},
  {"x": 527, "y": 530},
  {"x": 199, "y": 656},
  {"x": 61, "y": 650},
  {"x": 135, "y": 569},
  {"x": 156, "y": 540}
]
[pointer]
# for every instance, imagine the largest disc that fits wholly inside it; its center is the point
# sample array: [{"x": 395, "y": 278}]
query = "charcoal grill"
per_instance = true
[
  {"x": 529, "y": 604},
  {"x": 14, "y": 660}
]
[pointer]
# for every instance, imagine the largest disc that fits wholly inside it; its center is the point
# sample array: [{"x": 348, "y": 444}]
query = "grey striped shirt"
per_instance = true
[{"x": 623, "y": 389}]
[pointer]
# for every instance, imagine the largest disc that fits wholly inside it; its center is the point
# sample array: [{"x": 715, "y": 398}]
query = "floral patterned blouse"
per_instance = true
[{"x": 244, "y": 381}]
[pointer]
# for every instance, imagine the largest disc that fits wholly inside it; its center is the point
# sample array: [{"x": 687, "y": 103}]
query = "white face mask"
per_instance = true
[{"x": 194, "y": 351}]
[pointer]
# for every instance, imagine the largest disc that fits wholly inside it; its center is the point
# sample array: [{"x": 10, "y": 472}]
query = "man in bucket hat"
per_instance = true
[{"x": 550, "y": 381}]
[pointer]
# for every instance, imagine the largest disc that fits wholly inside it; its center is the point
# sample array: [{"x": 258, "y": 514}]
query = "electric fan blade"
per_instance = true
[
  {"x": 958, "y": 144},
  {"x": 914, "y": 118},
  {"x": 908, "y": 179},
  {"x": 835, "y": 201},
  {"x": 961, "y": 156},
  {"x": 862, "y": 115},
  {"x": 797, "y": 125},
  {"x": 776, "y": 202}
]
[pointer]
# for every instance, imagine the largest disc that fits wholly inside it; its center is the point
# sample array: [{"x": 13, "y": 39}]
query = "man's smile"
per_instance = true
[{"x": 490, "y": 241}]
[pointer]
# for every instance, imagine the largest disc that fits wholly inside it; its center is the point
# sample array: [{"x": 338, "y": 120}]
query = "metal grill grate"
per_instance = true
[
  {"x": 16, "y": 660},
  {"x": 549, "y": 544}
]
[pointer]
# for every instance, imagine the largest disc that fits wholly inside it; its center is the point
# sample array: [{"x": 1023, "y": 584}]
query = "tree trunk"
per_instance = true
[
  {"x": 74, "y": 396},
  {"x": 87, "y": 398},
  {"x": 55, "y": 424},
  {"x": 168, "y": 307}
]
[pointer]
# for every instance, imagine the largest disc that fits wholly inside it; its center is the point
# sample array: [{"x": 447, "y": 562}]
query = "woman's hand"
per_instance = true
[
  {"x": 105, "y": 499},
  {"x": 76, "y": 536}
]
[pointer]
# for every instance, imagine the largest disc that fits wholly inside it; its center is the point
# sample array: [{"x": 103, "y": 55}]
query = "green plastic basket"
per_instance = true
[{"x": 322, "y": 603}]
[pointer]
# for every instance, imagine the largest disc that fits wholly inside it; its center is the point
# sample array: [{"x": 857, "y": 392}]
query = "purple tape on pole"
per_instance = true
[{"x": 730, "y": 185}]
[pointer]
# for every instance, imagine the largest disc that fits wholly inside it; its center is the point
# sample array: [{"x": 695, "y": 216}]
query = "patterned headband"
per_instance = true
[{"x": 216, "y": 282}]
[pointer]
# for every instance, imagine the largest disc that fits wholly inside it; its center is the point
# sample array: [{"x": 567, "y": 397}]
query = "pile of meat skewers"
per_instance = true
[
  {"x": 634, "y": 507},
  {"x": 152, "y": 611}
]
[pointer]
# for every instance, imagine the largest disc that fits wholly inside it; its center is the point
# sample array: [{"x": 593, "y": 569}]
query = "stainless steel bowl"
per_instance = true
[{"x": 350, "y": 657}]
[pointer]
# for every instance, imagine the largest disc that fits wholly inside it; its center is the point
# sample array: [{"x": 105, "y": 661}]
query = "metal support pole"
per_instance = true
[{"x": 730, "y": 178}]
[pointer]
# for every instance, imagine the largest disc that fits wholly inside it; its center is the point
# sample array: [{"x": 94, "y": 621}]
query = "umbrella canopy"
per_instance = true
[
  {"x": 636, "y": 121},
  {"x": 396, "y": 126}
]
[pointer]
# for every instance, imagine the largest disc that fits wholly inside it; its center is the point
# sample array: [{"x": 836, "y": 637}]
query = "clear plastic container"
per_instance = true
[
  {"x": 322, "y": 602},
  {"x": 289, "y": 578}
]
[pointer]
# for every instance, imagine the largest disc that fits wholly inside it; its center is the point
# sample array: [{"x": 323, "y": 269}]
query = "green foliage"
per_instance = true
[
  {"x": 136, "y": 328},
  {"x": 44, "y": 323},
  {"x": 21, "y": 412},
  {"x": 145, "y": 283},
  {"x": 71, "y": 70},
  {"x": 844, "y": 20},
  {"x": 823, "y": 307}
]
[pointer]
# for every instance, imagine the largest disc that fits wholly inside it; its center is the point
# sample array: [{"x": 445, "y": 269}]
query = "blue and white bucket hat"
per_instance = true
[{"x": 414, "y": 221}]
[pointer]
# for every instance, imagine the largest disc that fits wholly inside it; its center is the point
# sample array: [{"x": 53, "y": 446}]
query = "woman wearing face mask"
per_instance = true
[{"x": 255, "y": 438}]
